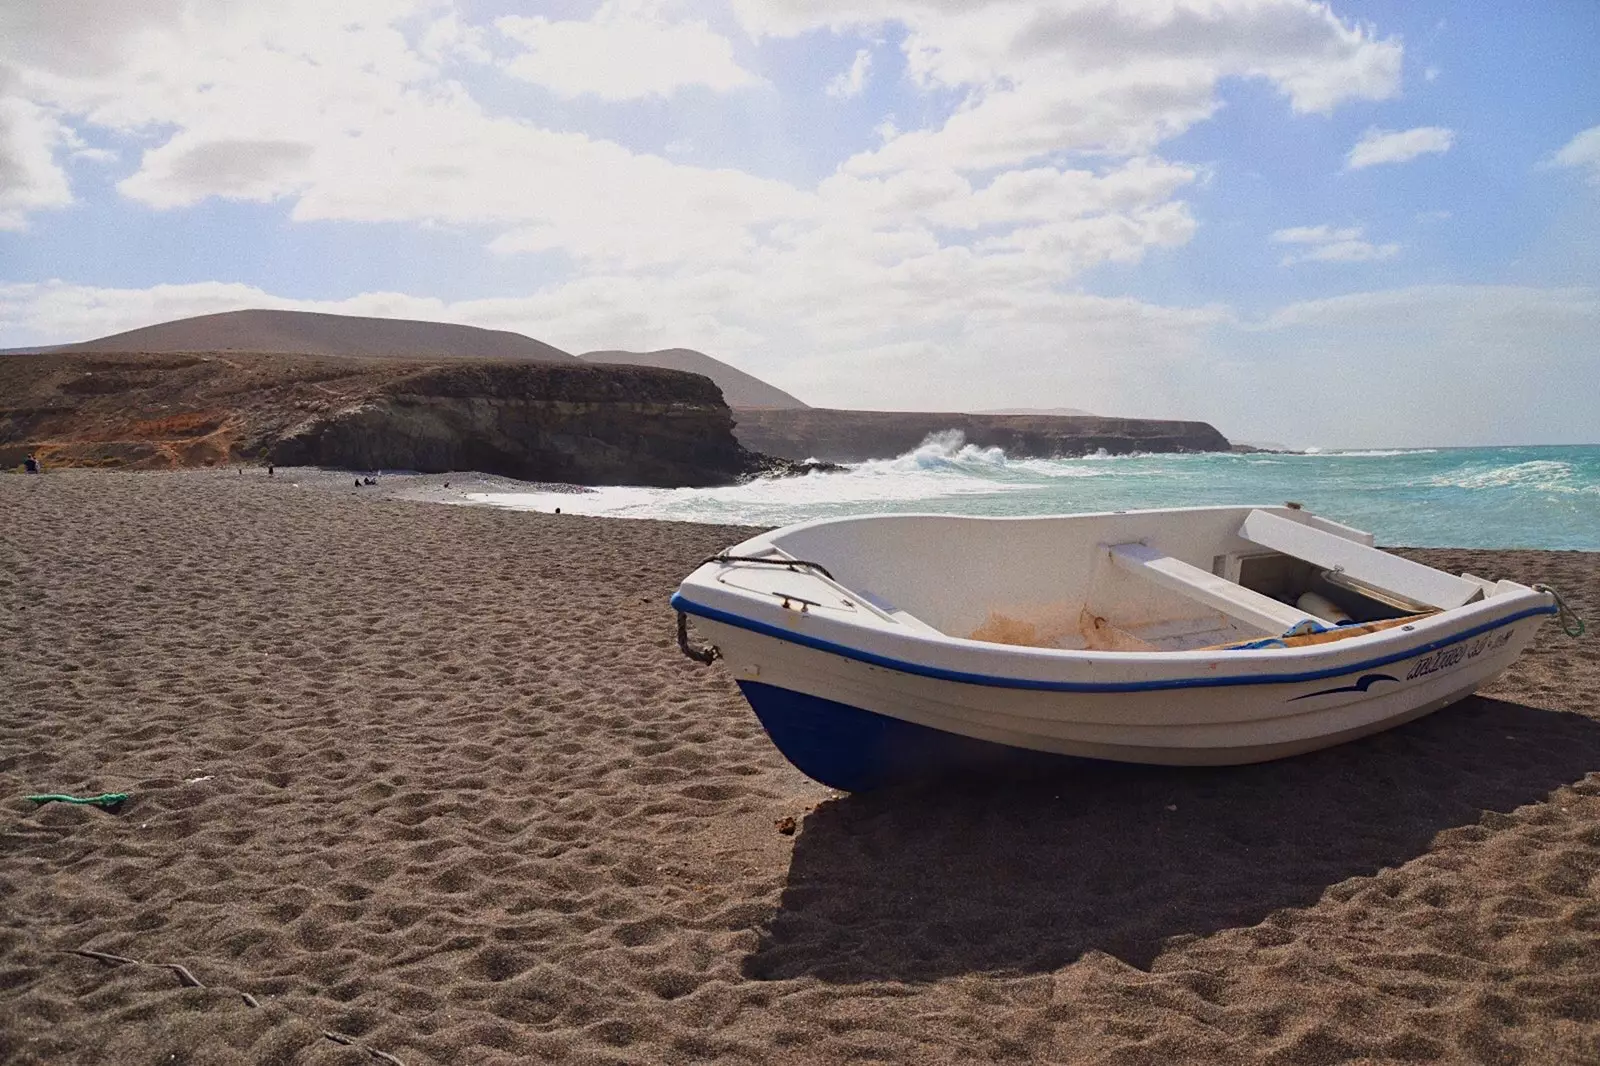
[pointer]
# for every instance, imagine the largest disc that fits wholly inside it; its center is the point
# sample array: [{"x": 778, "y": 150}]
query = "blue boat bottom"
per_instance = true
[{"x": 854, "y": 750}]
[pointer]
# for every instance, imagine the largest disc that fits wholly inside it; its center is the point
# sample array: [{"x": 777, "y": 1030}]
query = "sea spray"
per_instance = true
[{"x": 1545, "y": 497}]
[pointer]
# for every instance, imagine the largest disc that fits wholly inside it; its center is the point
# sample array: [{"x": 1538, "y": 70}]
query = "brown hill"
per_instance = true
[
  {"x": 540, "y": 421},
  {"x": 310, "y": 333},
  {"x": 738, "y": 388},
  {"x": 852, "y": 436}
]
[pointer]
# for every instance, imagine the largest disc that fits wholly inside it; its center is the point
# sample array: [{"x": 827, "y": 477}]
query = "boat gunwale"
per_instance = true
[{"x": 1240, "y": 657}]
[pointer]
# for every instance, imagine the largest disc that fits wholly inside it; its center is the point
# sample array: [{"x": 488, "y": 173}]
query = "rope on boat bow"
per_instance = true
[
  {"x": 707, "y": 655},
  {"x": 768, "y": 560},
  {"x": 1570, "y": 623}
]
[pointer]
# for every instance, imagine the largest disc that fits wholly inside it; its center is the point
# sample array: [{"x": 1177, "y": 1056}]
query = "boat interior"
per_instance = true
[{"x": 1216, "y": 577}]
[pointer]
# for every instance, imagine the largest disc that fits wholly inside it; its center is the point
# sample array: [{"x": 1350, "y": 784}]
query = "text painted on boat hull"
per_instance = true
[{"x": 1446, "y": 658}]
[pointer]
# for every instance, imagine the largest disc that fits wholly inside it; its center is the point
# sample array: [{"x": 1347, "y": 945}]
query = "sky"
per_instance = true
[{"x": 1352, "y": 224}]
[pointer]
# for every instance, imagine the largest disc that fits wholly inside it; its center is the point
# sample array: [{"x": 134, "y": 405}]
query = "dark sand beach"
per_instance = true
[{"x": 436, "y": 779}]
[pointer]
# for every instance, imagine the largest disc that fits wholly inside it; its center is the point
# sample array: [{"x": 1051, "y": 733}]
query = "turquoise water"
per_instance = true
[{"x": 1535, "y": 497}]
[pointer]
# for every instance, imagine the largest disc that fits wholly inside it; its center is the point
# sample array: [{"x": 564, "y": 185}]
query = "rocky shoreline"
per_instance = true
[{"x": 855, "y": 436}]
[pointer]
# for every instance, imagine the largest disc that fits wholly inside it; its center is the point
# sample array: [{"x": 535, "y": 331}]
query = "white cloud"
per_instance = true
[
  {"x": 60, "y": 312},
  {"x": 351, "y": 112},
  {"x": 850, "y": 82},
  {"x": 190, "y": 168},
  {"x": 1583, "y": 153},
  {"x": 1316, "y": 234},
  {"x": 448, "y": 38},
  {"x": 1326, "y": 244},
  {"x": 1386, "y": 146},
  {"x": 331, "y": 108},
  {"x": 1346, "y": 252},
  {"x": 626, "y": 51},
  {"x": 30, "y": 178},
  {"x": 1103, "y": 77},
  {"x": 80, "y": 38},
  {"x": 334, "y": 112}
]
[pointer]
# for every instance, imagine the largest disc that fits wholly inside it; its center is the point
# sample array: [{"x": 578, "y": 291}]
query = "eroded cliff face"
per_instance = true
[
  {"x": 854, "y": 436},
  {"x": 570, "y": 422},
  {"x": 589, "y": 426}
]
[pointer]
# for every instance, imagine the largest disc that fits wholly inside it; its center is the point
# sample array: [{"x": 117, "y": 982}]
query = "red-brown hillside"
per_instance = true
[{"x": 545, "y": 421}]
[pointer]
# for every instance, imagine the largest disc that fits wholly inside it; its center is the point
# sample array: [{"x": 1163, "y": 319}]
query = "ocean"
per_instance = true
[{"x": 1526, "y": 497}]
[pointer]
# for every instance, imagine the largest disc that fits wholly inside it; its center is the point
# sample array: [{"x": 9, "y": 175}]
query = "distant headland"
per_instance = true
[{"x": 373, "y": 393}]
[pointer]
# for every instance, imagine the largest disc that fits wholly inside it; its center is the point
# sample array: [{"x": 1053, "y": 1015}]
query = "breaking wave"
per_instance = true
[
  {"x": 1544, "y": 475},
  {"x": 1482, "y": 497},
  {"x": 948, "y": 450}
]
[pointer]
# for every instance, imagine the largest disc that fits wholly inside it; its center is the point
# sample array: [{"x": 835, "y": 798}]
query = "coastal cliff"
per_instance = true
[
  {"x": 536, "y": 422},
  {"x": 853, "y": 436},
  {"x": 570, "y": 422}
]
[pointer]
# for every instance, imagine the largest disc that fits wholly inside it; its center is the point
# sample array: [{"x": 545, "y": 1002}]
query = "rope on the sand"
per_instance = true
[
  {"x": 350, "y": 1041},
  {"x": 107, "y": 801},
  {"x": 191, "y": 981},
  {"x": 1569, "y": 621}
]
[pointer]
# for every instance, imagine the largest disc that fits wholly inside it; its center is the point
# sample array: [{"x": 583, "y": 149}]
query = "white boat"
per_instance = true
[{"x": 881, "y": 648}]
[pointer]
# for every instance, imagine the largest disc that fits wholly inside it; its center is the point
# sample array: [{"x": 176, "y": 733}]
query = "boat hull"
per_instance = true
[
  {"x": 855, "y": 750},
  {"x": 877, "y": 648},
  {"x": 855, "y": 725}
]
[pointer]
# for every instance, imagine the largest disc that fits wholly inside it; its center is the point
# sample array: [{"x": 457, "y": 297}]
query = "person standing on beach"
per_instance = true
[{"x": 31, "y": 464}]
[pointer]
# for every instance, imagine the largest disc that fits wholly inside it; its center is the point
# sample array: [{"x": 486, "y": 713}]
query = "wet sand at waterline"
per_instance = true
[{"x": 437, "y": 779}]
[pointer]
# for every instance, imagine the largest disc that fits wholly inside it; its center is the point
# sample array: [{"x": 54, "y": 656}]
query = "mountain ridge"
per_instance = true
[
  {"x": 739, "y": 389},
  {"x": 321, "y": 334}
]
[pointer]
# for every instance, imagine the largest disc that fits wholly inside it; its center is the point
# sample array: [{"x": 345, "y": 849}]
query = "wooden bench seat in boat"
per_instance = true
[
  {"x": 1326, "y": 636},
  {"x": 1359, "y": 564},
  {"x": 1218, "y": 593}
]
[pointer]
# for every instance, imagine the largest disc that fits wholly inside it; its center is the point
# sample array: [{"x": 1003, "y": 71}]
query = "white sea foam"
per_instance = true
[
  {"x": 1378, "y": 453},
  {"x": 1064, "y": 468},
  {"x": 1544, "y": 475},
  {"x": 947, "y": 450},
  {"x": 943, "y": 467},
  {"x": 1489, "y": 497}
]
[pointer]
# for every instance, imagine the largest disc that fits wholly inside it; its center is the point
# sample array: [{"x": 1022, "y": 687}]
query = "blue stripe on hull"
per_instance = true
[
  {"x": 939, "y": 673},
  {"x": 854, "y": 750}
]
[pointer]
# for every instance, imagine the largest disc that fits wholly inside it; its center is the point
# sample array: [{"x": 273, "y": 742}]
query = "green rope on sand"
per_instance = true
[{"x": 108, "y": 801}]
